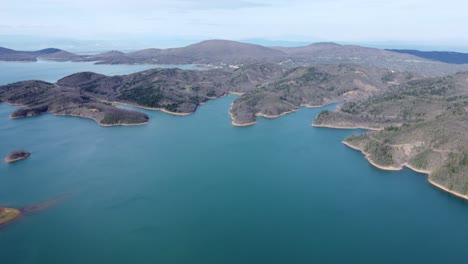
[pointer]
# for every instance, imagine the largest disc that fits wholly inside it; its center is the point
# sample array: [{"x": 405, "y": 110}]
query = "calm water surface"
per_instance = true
[
  {"x": 51, "y": 71},
  {"x": 195, "y": 189}
]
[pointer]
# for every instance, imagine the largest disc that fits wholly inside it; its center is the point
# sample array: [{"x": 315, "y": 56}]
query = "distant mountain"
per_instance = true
[
  {"x": 276, "y": 43},
  {"x": 225, "y": 53},
  {"x": 206, "y": 52},
  {"x": 5, "y": 50},
  {"x": 15, "y": 55},
  {"x": 443, "y": 56},
  {"x": 332, "y": 53},
  {"x": 145, "y": 53},
  {"x": 60, "y": 55},
  {"x": 44, "y": 51}
]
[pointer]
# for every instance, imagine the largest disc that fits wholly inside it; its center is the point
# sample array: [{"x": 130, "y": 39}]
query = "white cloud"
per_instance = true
[{"x": 334, "y": 20}]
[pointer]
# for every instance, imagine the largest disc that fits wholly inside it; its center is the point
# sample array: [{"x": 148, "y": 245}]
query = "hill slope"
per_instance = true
[
  {"x": 423, "y": 125},
  {"x": 332, "y": 53},
  {"x": 91, "y": 95},
  {"x": 312, "y": 86}
]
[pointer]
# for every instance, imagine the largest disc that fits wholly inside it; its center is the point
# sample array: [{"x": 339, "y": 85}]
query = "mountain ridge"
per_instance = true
[{"x": 226, "y": 53}]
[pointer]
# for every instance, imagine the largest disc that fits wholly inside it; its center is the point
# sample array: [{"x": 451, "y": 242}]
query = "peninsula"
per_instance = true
[{"x": 420, "y": 124}]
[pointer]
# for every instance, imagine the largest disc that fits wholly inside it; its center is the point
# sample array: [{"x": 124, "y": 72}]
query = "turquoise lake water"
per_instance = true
[{"x": 195, "y": 189}]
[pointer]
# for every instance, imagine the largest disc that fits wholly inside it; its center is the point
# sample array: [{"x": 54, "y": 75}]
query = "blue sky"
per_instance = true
[{"x": 144, "y": 22}]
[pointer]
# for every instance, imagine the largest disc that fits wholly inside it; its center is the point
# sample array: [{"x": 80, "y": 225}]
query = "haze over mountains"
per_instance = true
[{"x": 222, "y": 53}]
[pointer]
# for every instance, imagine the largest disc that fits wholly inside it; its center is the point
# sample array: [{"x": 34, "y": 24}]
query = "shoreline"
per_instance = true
[
  {"x": 347, "y": 127},
  {"x": 98, "y": 62},
  {"x": 268, "y": 116},
  {"x": 366, "y": 155},
  {"x": 152, "y": 108},
  {"x": 123, "y": 124},
  {"x": 313, "y": 106},
  {"x": 258, "y": 115},
  {"x": 236, "y": 93},
  {"x": 276, "y": 116},
  {"x": 426, "y": 172},
  {"x": 233, "y": 122},
  {"x": 104, "y": 125},
  {"x": 8, "y": 160},
  {"x": 17, "y": 105},
  {"x": 459, "y": 195},
  {"x": 95, "y": 120},
  {"x": 242, "y": 125},
  {"x": 417, "y": 170}
]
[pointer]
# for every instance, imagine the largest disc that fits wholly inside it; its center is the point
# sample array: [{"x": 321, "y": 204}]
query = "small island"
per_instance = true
[
  {"x": 17, "y": 155},
  {"x": 8, "y": 215}
]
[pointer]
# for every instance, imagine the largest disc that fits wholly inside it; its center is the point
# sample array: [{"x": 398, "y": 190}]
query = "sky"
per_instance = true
[{"x": 162, "y": 23}]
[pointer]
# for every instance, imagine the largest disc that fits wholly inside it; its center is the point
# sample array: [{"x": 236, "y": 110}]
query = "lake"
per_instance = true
[
  {"x": 51, "y": 71},
  {"x": 195, "y": 189}
]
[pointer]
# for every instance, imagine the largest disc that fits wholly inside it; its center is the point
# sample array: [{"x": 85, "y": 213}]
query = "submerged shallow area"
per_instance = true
[{"x": 195, "y": 189}]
